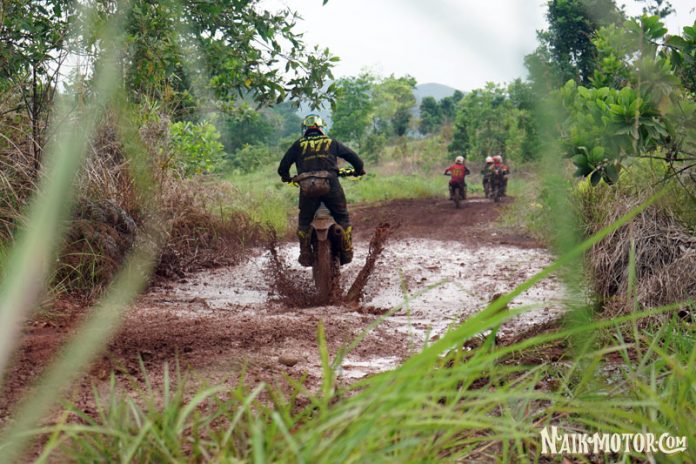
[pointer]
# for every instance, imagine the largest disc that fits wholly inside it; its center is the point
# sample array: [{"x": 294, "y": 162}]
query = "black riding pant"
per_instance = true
[
  {"x": 452, "y": 185},
  {"x": 335, "y": 201}
]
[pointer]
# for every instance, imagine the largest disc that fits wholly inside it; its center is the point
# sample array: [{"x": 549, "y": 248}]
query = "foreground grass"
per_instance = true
[
  {"x": 447, "y": 403},
  {"x": 480, "y": 405}
]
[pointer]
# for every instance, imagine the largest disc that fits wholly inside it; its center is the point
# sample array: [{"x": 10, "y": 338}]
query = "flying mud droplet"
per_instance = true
[
  {"x": 292, "y": 289},
  {"x": 296, "y": 290},
  {"x": 377, "y": 243}
]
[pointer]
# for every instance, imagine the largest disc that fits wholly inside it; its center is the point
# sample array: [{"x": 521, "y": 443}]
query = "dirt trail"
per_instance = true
[{"x": 221, "y": 322}]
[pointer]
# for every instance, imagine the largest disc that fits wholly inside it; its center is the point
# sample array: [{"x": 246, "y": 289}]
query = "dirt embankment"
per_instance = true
[{"x": 223, "y": 322}]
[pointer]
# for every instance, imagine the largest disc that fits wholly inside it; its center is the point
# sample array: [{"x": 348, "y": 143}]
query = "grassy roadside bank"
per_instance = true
[{"x": 271, "y": 204}]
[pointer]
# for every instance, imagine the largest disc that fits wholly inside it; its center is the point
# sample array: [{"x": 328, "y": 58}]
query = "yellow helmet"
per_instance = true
[{"x": 312, "y": 121}]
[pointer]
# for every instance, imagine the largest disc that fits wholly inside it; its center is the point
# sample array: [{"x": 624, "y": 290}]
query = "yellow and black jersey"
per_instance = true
[{"x": 317, "y": 152}]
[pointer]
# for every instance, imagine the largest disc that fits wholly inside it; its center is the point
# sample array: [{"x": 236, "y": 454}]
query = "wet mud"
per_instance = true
[{"x": 433, "y": 267}]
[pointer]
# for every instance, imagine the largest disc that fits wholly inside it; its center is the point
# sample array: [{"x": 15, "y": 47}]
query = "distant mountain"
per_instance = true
[{"x": 432, "y": 89}]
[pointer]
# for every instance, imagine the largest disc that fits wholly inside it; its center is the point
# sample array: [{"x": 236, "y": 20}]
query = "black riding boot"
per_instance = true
[
  {"x": 305, "y": 238},
  {"x": 347, "y": 245}
]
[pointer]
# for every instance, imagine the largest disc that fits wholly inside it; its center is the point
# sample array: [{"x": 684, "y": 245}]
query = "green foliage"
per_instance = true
[
  {"x": 566, "y": 51},
  {"x": 496, "y": 120},
  {"x": 33, "y": 45},
  {"x": 284, "y": 120},
  {"x": 448, "y": 106},
  {"x": 682, "y": 54},
  {"x": 430, "y": 115},
  {"x": 242, "y": 125},
  {"x": 372, "y": 147},
  {"x": 367, "y": 105},
  {"x": 252, "y": 157},
  {"x": 659, "y": 8},
  {"x": 393, "y": 100},
  {"x": 353, "y": 108},
  {"x": 197, "y": 147},
  {"x": 640, "y": 113},
  {"x": 179, "y": 49}
]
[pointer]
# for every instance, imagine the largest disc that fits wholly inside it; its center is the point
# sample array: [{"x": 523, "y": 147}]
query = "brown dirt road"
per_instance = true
[{"x": 219, "y": 323}]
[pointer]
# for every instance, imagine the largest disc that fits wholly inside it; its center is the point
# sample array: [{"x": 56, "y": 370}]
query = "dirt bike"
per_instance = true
[
  {"x": 457, "y": 194},
  {"x": 487, "y": 185},
  {"x": 496, "y": 183},
  {"x": 327, "y": 242}
]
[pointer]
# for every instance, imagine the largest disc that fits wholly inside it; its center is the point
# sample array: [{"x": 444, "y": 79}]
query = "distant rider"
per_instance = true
[
  {"x": 486, "y": 172},
  {"x": 315, "y": 157},
  {"x": 498, "y": 164},
  {"x": 458, "y": 171}
]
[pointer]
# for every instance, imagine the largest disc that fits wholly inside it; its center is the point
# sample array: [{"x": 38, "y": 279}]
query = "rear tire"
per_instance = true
[
  {"x": 497, "y": 188},
  {"x": 325, "y": 271},
  {"x": 457, "y": 197}
]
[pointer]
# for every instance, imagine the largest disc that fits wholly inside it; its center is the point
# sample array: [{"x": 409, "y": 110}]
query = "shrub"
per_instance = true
[
  {"x": 252, "y": 157},
  {"x": 197, "y": 148}
]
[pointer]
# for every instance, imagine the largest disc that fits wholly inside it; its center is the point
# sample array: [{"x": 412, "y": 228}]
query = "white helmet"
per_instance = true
[
  {"x": 489, "y": 159},
  {"x": 459, "y": 160},
  {"x": 498, "y": 159}
]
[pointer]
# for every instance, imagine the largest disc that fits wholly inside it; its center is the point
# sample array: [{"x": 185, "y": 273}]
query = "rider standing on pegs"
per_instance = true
[{"x": 315, "y": 157}]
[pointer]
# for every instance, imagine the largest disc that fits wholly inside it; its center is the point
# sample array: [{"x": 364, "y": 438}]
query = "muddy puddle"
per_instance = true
[{"x": 433, "y": 283}]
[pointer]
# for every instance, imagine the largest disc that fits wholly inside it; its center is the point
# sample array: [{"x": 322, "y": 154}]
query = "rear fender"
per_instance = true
[{"x": 322, "y": 223}]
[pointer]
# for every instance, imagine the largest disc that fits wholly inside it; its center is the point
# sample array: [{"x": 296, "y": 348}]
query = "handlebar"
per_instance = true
[
  {"x": 344, "y": 172},
  {"x": 349, "y": 172}
]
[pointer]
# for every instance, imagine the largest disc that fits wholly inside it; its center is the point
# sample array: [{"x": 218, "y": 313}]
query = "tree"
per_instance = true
[
  {"x": 353, "y": 107},
  {"x": 394, "y": 99},
  {"x": 448, "y": 106},
  {"x": 496, "y": 120},
  {"x": 243, "y": 125},
  {"x": 33, "y": 37},
  {"x": 659, "y": 8},
  {"x": 181, "y": 48},
  {"x": 566, "y": 51},
  {"x": 430, "y": 115},
  {"x": 647, "y": 117}
]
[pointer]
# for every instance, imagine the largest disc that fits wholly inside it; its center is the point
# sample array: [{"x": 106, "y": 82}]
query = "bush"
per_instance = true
[
  {"x": 196, "y": 147},
  {"x": 252, "y": 157},
  {"x": 663, "y": 268}
]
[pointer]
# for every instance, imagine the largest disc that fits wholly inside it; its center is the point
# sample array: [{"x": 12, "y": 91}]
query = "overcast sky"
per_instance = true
[{"x": 460, "y": 43}]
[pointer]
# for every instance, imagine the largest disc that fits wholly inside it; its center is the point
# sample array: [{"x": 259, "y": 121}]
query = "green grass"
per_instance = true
[
  {"x": 527, "y": 214},
  {"x": 269, "y": 202},
  {"x": 482, "y": 404},
  {"x": 445, "y": 403}
]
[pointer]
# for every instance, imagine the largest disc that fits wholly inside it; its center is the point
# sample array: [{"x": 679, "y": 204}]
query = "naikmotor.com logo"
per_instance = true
[{"x": 553, "y": 442}]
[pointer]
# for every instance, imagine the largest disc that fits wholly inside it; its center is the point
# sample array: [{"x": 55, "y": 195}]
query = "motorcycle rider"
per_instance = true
[
  {"x": 486, "y": 173},
  {"x": 315, "y": 156},
  {"x": 498, "y": 164},
  {"x": 458, "y": 171}
]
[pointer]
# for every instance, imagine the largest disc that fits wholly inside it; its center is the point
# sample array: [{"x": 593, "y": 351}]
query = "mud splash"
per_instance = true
[
  {"x": 290, "y": 288},
  {"x": 379, "y": 239},
  {"x": 294, "y": 289}
]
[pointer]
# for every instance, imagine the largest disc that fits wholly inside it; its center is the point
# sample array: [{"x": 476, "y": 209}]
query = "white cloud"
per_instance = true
[{"x": 461, "y": 43}]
